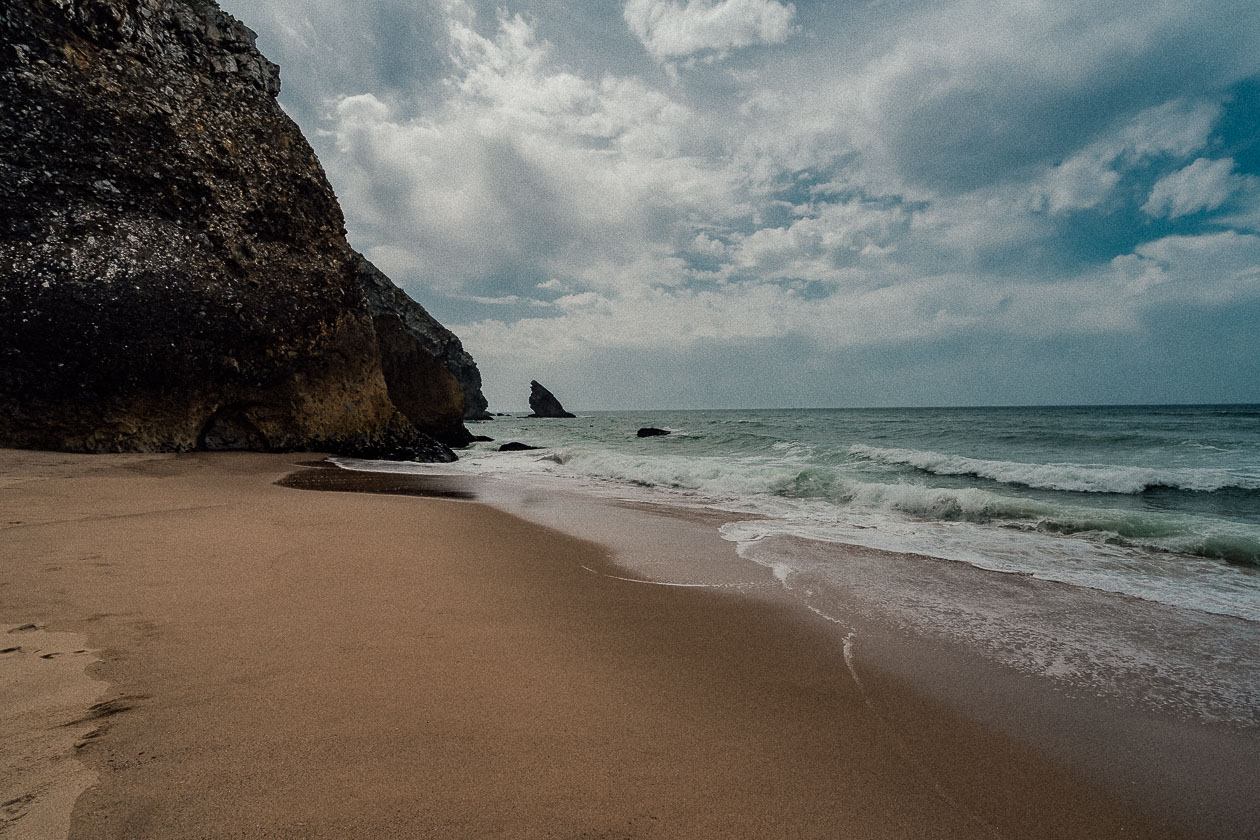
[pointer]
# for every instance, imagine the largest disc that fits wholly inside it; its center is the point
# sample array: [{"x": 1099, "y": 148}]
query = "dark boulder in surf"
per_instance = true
[{"x": 652, "y": 431}]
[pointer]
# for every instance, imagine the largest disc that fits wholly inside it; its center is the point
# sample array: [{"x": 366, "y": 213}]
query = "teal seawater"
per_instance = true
[{"x": 1162, "y": 502}]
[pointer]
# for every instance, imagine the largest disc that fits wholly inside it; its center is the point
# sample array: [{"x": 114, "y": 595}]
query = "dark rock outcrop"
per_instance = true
[
  {"x": 418, "y": 383},
  {"x": 385, "y": 298},
  {"x": 652, "y": 431},
  {"x": 515, "y": 446},
  {"x": 174, "y": 272},
  {"x": 543, "y": 403}
]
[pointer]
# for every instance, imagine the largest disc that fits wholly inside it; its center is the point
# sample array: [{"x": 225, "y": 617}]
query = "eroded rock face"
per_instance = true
[
  {"x": 174, "y": 272},
  {"x": 419, "y": 384},
  {"x": 385, "y": 298},
  {"x": 543, "y": 403}
]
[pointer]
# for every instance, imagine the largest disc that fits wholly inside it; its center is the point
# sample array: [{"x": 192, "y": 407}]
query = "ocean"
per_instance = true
[{"x": 1154, "y": 510}]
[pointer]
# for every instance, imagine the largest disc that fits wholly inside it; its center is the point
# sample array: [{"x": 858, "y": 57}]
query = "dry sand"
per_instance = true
[{"x": 276, "y": 662}]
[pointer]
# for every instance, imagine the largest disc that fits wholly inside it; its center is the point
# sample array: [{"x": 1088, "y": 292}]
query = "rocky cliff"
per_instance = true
[
  {"x": 174, "y": 272},
  {"x": 387, "y": 300}
]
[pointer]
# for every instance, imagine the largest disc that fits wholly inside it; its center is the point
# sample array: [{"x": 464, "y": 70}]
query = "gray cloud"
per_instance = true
[
  {"x": 875, "y": 185},
  {"x": 1203, "y": 185},
  {"x": 672, "y": 29}
]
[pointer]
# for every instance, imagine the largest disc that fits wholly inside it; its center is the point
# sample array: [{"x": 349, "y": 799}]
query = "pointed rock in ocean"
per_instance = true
[{"x": 544, "y": 403}]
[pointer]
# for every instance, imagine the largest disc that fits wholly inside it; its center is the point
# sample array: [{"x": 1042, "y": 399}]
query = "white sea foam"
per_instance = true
[
  {"x": 1082, "y": 546},
  {"x": 808, "y": 477},
  {"x": 765, "y": 483},
  {"x": 1131, "y": 570},
  {"x": 1035, "y": 507},
  {"x": 1201, "y": 667},
  {"x": 1082, "y": 478}
]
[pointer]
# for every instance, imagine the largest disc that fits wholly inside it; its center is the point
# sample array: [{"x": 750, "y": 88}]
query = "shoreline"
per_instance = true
[
  {"x": 1173, "y": 520},
  {"x": 1080, "y": 667},
  {"x": 345, "y": 664}
]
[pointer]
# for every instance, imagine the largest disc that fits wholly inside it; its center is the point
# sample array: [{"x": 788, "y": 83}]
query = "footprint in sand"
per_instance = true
[
  {"x": 87, "y": 739},
  {"x": 109, "y": 708},
  {"x": 11, "y": 650},
  {"x": 15, "y": 809}
]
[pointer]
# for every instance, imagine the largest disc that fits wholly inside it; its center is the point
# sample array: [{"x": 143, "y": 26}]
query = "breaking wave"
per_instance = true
[
  {"x": 728, "y": 479},
  {"x": 1159, "y": 503},
  {"x": 1079, "y": 478}
]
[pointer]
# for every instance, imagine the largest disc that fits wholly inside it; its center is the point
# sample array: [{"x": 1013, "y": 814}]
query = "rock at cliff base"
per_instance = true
[
  {"x": 543, "y": 403},
  {"x": 418, "y": 383},
  {"x": 516, "y": 446},
  {"x": 386, "y": 298}
]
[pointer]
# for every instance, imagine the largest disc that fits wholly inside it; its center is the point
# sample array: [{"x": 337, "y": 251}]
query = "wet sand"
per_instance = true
[{"x": 277, "y": 662}]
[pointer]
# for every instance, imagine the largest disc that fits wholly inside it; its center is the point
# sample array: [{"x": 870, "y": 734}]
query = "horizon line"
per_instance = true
[{"x": 1242, "y": 404}]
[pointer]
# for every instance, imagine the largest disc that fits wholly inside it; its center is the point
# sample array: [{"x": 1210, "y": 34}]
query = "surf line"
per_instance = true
[
  {"x": 665, "y": 583},
  {"x": 916, "y": 766}
]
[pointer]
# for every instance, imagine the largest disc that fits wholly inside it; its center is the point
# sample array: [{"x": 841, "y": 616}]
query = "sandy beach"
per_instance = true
[{"x": 194, "y": 651}]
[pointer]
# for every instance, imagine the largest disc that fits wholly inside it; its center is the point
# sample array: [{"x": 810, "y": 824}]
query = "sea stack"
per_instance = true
[
  {"x": 174, "y": 271},
  {"x": 543, "y": 403}
]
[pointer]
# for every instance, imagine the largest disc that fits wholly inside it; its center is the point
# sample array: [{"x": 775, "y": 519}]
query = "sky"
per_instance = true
[{"x": 753, "y": 203}]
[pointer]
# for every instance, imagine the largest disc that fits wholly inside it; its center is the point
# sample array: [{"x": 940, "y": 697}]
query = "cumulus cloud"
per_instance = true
[
  {"x": 1176, "y": 271},
  {"x": 528, "y": 170},
  {"x": 1203, "y": 185},
  {"x": 327, "y": 48},
  {"x": 1177, "y": 129},
  {"x": 933, "y": 172},
  {"x": 959, "y": 96},
  {"x": 1213, "y": 268},
  {"x": 827, "y": 244},
  {"x": 670, "y": 29}
]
